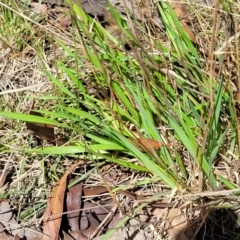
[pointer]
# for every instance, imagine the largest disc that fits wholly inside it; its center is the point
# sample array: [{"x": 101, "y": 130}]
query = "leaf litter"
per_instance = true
[
  {"x": 83, "y": 223},
  {"x": 89, "y": 212},
  {"x": 94, "y": 217}
]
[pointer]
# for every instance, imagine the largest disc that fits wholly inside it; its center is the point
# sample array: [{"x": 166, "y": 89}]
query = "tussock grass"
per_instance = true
[{"x": 103, "y": 97}]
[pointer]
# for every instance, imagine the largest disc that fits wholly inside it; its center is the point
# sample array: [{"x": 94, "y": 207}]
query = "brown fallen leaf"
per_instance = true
[
  {"x": 148, "y": 144},
  {"x": 5, "y": 216},
  {"x": 12, "y": 227},
  {"x": 48, "y": 225},
  {"x": 74, "y": 202},
  {"x": 55, "y": 206},
  {"x": 4, "y": 235},
  {"x": 176, "y": 224},
  {"x": 95, "y": 190},
  {"x": 74, "y": 236},
  {"x": 93, "y": 224},
  {"x": 91, "y": 217},
  {"x": 5, "y": 212}
]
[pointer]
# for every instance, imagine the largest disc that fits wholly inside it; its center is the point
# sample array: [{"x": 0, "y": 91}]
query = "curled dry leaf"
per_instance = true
[{"x": 54, "y": 210}]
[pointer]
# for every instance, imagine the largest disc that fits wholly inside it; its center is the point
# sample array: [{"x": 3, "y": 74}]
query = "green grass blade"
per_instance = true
[{"x": 31, "y": 118}]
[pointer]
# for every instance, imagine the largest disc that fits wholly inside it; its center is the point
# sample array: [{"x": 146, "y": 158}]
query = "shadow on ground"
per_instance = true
[{"x": 220, "y": 225}]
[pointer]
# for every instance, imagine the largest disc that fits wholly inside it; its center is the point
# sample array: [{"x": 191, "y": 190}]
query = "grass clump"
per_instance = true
[{"x": 103, "y": 98}]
